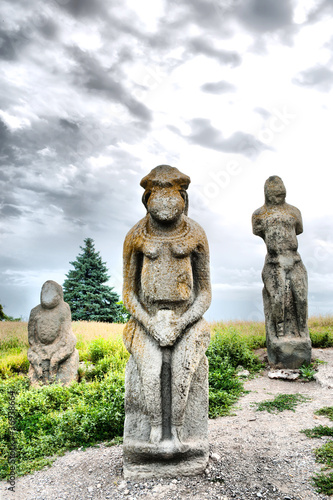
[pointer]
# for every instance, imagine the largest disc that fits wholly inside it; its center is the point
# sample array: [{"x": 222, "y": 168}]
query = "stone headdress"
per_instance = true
[{"x": 165, "y": 176}]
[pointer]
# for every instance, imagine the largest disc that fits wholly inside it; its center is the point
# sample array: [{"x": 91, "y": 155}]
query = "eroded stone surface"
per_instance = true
[
  {"x": 285, "y": 279},
  {"x": 167, "y": 290},
  {"x": 52, "y": 354}
]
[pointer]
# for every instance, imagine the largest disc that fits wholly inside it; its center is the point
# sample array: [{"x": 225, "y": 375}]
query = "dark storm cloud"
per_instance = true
[
  {"x": 218, "y": 87},
  {"x": 322, "y": 8},
  {"x": 201, "y": 46},
  {"x": 6, "y": 150},
  {"x": 68, "y": 124},
  {"x": 205, "y": 135},
  {"x": 90, "y": 75},
  {"x": 266, "y": 15},
  {"x": 3, "y": 133},
  {"x": 9, "y": 211},
  {"x": 318, "y": 77},
  {"x": 49, "y": 29},
  {"x": 217, "y": 17},
  {"x": 84, "y": 8},
  {"x": 8, "y": 46}
]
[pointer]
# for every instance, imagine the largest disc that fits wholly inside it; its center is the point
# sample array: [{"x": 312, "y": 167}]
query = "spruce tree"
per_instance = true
[{"x": 85, "y": 290}]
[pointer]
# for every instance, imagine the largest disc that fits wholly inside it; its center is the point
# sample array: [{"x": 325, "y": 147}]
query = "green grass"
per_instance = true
[
  {"x": 282, "y": 402},
  {"x": 13, "y": 357},
  {"x": 227, "y": 351},
  {"x": 321, "y": 338},
  {"x": 327, "y": 411},
  {"x": 319, "y": 431},
  {"x": 324, "y": 454},
  {"x": 53, "y": 419},
  {"x": 323, "y": 481}
]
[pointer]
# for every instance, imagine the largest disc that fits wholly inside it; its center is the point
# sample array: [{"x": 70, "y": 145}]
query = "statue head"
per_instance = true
[
  {"x": 51, "y": 294},
  {"x": 165, "y": 196},
  {"x": 275, "y": 191}
]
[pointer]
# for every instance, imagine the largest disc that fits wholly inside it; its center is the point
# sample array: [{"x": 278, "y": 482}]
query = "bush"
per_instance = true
[
  {"x": 321, "y": 339},
  {"x": 235, "y": 347},
  {"x": 225, "y": 353},
  {"x": 52, "y": 419}
]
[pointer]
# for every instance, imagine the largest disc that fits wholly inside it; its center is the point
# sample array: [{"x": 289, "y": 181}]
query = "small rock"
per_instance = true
[
  {"x": 284, "y": 374},
  {"x": 216, "y": 457}
]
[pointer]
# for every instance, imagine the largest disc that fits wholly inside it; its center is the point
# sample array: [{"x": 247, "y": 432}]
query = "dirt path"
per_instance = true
[{"x": 254, "y": 455}]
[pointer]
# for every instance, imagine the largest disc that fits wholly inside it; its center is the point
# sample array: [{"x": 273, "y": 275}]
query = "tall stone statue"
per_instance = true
[
  {"x": 167, "y": 290},
  {"x": 285, "y": 279},
  {"x": 52, "y": 353}
]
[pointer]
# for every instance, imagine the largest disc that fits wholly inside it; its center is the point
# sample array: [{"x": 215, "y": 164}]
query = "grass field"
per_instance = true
[{"x": 53, "y": 419}]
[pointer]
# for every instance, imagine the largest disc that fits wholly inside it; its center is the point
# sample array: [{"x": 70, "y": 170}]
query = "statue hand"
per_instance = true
[{"x": 164, "y": 327}]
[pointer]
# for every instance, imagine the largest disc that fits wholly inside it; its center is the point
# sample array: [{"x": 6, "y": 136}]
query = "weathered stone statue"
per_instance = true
[
  {"x": 285, "y": 279},
  {"x": 167, "y": 290},
  {"x": 52, "y": 353}
]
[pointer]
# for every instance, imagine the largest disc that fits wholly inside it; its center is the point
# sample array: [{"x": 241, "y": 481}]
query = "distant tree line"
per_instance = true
[{"x": 4, "y": 317}]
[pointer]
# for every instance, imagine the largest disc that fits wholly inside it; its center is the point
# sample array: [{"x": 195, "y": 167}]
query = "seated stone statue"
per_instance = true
[
  {"x": 285, "y": 279},
  {"x": 52, "y": 354},
  {"x": 167, "y": 290}
]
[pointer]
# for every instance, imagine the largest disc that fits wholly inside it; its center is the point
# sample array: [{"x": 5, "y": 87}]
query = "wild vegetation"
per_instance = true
[
  {"x": 324, "y": 454},
  {"x": 282, "y": 402},
  {"x": 53, "y": 419}
]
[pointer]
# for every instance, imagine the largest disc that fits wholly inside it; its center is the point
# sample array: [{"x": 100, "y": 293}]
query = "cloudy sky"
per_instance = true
[{"x": 96, "y": 93}]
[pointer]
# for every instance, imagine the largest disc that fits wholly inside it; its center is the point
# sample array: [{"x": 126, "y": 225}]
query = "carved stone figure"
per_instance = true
[
  {"x": 52, "y": 353},
  {"x": 285, "y": 279},
  {"x": 167, "y": 290}
]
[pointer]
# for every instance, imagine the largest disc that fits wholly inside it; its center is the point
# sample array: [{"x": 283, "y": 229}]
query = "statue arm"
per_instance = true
[
  {"x": 201, "y": 275},
  {"x": 32, "y": 355},
  {"x": 257, "y": 226},
  {"x": 130, "y": 286},
  {"x": 64, "y": 345},
  {"x": 299, "y": 223}
]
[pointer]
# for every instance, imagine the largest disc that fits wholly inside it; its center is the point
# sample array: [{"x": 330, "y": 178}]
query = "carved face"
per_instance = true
[
  {"x": 51, "y": 295},
  {"x": 166, "y": 204},
  {"x": 275, "y": 191}
]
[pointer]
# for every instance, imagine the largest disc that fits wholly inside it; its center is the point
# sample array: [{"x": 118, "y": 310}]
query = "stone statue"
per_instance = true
[
  {"x": 167, "y": 290},
  {"x": 52, "y": 354},
  {"x": 285, "y": 279}
]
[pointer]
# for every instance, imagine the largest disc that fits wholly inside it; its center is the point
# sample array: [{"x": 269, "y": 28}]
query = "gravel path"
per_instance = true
[{"x": 253, "y": 455}]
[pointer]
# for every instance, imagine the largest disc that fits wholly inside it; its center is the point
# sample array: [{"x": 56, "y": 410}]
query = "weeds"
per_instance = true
[
  {"x": 307, "y": 372},
  {"x": 327, "y": 411},
  {"x": 225, "y": 353},
  {"x": 323, "y": 483},
  {"x": 324, "y": 454},
  {"x": 282, "y": 402},
  {"x": 319, "y": 431}
]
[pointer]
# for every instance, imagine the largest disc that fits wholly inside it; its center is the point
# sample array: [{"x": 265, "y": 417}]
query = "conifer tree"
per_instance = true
[{"x": 85, "y": 290}]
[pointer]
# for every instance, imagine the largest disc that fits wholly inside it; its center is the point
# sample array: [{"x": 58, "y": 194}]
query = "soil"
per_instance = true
[{"x": 254, "y": 454}]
